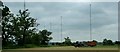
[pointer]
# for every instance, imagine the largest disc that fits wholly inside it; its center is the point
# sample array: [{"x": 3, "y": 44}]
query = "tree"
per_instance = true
[
  {"x": 117, "y": 42},
  {"x": 110, "y": 42},
  {"x": 45, "y": 37},
  {"x": 95, "y": 41},
  {"x": 107, "y": 42},
  {"x": 1, "y": 3},
  {"x": 36, "y": 38},
  {"x": 104, "y": 41},
  {"x": 67, "y": 41},
  {"x": 20, "y": 29},
  {"x": 17, "y": 28},
  {"x": 6, "y": 24},
  {"x": 24, "y": 26}
]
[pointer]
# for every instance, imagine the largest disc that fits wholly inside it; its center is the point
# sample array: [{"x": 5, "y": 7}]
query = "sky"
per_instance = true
[
  {"x": 61, "y": 0},
  {"x": 75, "y": 18}
]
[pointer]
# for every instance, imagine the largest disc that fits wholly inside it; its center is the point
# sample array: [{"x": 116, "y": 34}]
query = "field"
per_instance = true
[{"x": 66, "y": 49}]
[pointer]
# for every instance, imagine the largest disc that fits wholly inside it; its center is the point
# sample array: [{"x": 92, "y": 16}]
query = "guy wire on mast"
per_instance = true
[{"x": 61, "y": 28}]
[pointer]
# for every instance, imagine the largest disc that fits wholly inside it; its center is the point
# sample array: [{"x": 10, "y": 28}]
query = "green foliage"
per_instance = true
[
  {"x": 45, "y": 37},
  {"x": 107, "y": 42},
  {"x": 6, "y": 26},
  {"x": 23, "y": 26},
  {"x": 20, "y": 30},
  {"x": 36, "y": 39},
  {"x": 1, "y": 3},
  {"x": 95, "y": 41},
  {"x": 29, "y": 46},
  {"x": 44, "y": 46},
  {"x": 67, "y": 41}
]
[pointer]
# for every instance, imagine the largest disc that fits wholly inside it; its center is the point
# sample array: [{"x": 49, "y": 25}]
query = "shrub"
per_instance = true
[{"x": 29, "y": 46}]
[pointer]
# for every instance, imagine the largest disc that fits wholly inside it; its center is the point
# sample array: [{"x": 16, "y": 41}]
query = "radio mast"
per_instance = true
[
  {"x": 90, "y": 24},
  {"x": 50, "y": 26},
  {"x": 24, "y": 5},
  {"x": 61, "y": 28}
]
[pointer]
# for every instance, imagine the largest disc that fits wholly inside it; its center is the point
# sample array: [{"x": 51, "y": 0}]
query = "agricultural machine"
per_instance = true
[{"x": 85, "y": 44}]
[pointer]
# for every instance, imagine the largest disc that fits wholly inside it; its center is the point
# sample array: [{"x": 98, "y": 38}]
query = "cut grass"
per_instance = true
[
  {"x": 98, "y": 47},
  {"x": 103, "y": 46}
]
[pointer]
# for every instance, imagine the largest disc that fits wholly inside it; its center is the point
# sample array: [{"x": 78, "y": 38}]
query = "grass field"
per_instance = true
[
  {"x": 68, "y": 48},
  {"x": 98, "y": 48}
]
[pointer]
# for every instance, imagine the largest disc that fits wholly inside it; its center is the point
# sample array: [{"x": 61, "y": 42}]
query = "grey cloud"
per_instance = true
[{"x": 76, "y": 18}]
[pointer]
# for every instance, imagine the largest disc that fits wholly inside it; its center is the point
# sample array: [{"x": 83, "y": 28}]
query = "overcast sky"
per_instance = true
[
  {"x": 61, "y": 0},
  {"x": 76, "y": 18}
]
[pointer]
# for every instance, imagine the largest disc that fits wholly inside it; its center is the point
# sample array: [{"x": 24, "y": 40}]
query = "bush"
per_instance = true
[
  {"x": 29, "y": 46},
  {"x": 117, "y": 42},
  {"x": 107, "y": 42},
  {"x": 67, "y": 41},
  {"x": 11, "y": 47},
  {"x": 44, "y": 46}
]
